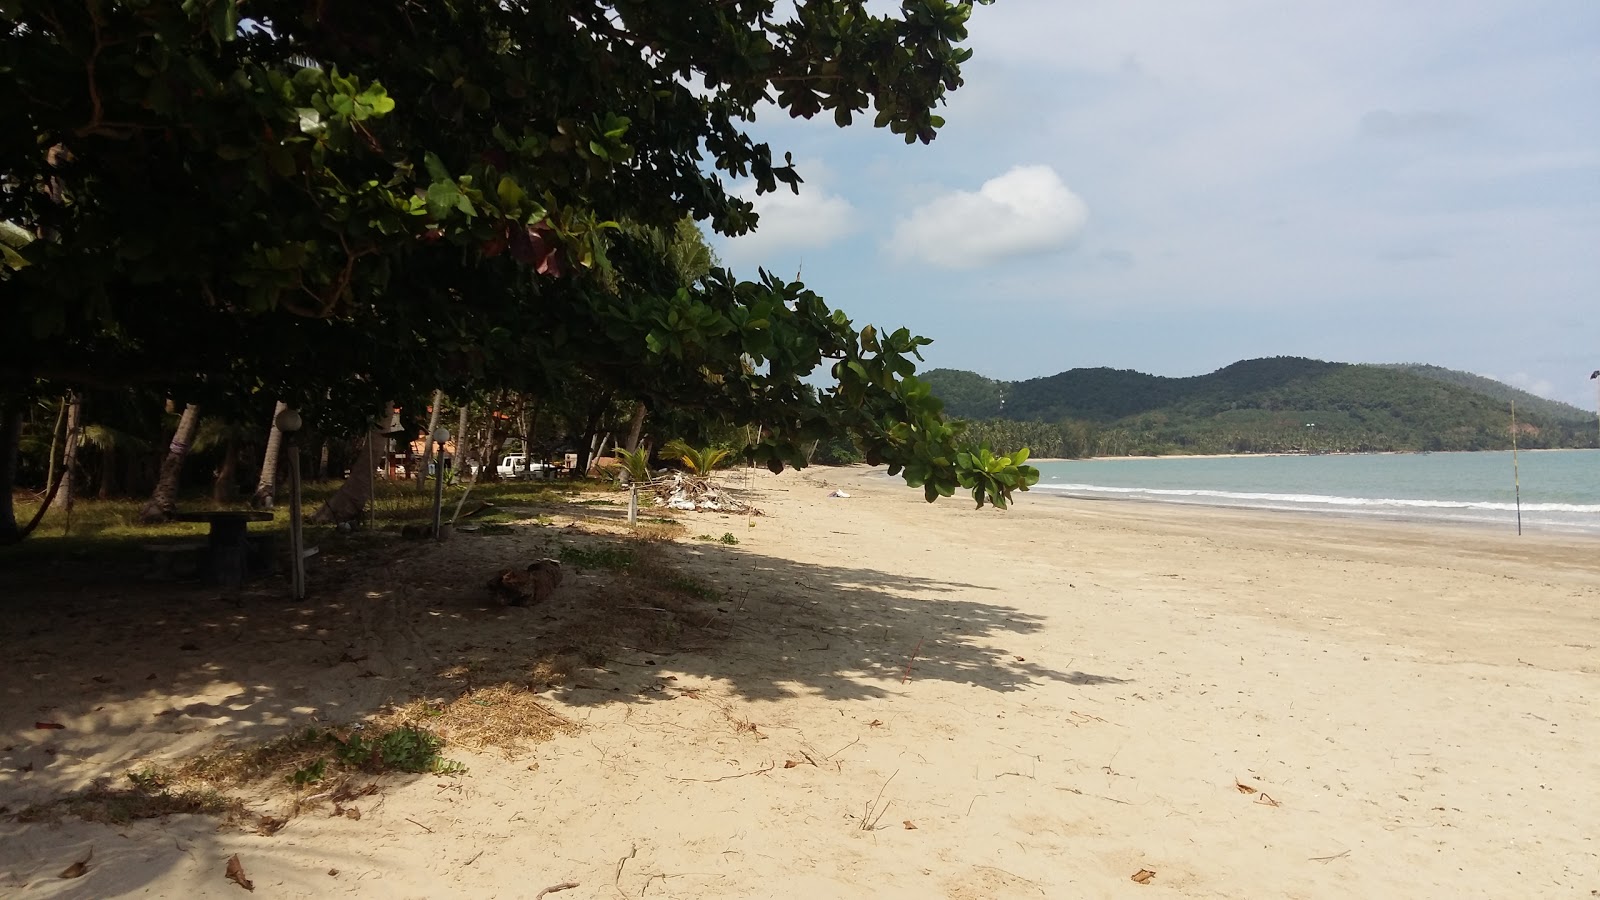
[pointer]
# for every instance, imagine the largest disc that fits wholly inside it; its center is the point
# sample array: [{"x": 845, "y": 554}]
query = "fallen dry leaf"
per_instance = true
[
  {"x": 269, "y": 826},
  {"x": 333, "y": 872},
  {"x": 874, "y": 723},
  {"x": 1243, "y": 788},
  {"x": 353, "y": 812},
  {"x": 1020, "y": 659},
  {"x": 53, "y": 726},
  {"x": 235, "y": 873},
  {"x": 1143, "y": 876},
  {"x": 77, "y": 869},
  {"x": 790, "y": 763},
  {"x": 910, "y": 826}
]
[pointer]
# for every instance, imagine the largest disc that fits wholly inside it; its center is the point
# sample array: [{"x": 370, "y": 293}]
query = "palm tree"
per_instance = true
[
  {"x": 634, "y": 465},
  {"x": 267, "y": 485},
  {"x": 110, "y": 442},
  {"x": 697, "y": 461},
  {"x": 164, "y": 500}
]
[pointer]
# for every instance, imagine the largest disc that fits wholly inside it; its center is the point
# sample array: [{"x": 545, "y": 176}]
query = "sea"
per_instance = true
[{"x": 1560, "y": 489}]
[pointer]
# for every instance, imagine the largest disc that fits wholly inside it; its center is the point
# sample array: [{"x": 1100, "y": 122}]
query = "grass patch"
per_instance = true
[
  {"x": 727, "y": 538},
  {"x": 653, "y": 531},
  {"x": 109, "y": 531},
  {"x": 150, "y": 795},
  {"x": 316, "y": 754},
  {"x": 611, "y": 559}
]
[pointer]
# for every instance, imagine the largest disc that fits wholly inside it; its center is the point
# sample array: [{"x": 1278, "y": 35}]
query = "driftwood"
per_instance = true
[{"x": 525, "y": 587}]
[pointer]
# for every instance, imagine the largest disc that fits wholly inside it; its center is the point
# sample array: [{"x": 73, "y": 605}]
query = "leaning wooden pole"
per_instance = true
[{"x": 1516, "y": 476}]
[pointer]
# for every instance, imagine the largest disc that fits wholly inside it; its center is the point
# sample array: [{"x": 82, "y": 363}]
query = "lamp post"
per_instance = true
[
  {"x": 289, "y": 423},
  {"x": 439, "y": 438}
]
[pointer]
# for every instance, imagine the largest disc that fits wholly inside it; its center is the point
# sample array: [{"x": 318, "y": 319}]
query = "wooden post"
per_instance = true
[
  {"x": 1516, "y": 476},
  {"x": 633, "y": 504},
  {"x": 297, "y": 543},
  {"x": 438, "y": 487}
]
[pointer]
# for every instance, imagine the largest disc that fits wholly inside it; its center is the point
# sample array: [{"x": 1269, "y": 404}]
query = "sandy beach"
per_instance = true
[{"x": 883, "y": 698}]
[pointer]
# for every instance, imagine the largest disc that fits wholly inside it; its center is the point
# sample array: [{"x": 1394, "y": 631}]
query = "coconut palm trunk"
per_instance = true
[
  {"x": 163, "y": 501},
  {"x": 225, "y": 489},
  {"x": 346, "y": 504},
  {"x": 427, "y": 441},
  {"x": 267, "y": 485},
  {"x": 69, "y": 454},
  {"x": 636, "y": 428}
]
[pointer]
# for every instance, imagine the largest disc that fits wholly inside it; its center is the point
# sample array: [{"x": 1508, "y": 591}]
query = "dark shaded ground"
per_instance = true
[{"x": 91, "y": 645}]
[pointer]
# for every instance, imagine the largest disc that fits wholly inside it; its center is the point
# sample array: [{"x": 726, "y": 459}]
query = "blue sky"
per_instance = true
[{"x": 1173, "y": 186}]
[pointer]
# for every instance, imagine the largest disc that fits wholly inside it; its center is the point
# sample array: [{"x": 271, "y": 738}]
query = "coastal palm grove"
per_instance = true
[{"x": 213, "y": 210}]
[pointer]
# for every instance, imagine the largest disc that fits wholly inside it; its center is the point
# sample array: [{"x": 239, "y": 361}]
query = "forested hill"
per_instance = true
[
  {"x": 1259, "y": 405},
  {"x": 1531, "y": 403}
]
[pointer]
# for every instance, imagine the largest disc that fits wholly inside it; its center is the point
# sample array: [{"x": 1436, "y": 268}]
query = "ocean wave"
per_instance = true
[{"x": 1303, "y": 501}]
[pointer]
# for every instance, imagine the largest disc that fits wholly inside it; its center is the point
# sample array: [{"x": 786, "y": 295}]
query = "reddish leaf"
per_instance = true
[
  {"x": 1143, "y": 876},
  {"x": 49, "y": 725}
]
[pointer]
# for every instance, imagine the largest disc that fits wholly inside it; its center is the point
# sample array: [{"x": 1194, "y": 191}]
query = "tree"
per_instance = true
[
  {"x": 267, "y": 484},
  {"x": 426, "y": 197},
  {"x": 163, "y": 501},
  {"x": 699, "y": 461}
]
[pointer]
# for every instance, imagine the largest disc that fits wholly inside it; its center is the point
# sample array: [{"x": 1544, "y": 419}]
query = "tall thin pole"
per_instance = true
[
  {"x": 1596, "y": 379},
  {"x": 438, "y": 486},
  {"x": 297, "y": 541},
  {"x": 1516, "y": 475}
]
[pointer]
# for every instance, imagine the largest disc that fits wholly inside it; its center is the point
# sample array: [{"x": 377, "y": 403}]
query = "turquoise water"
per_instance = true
[{"x": 1560, "y": 489}]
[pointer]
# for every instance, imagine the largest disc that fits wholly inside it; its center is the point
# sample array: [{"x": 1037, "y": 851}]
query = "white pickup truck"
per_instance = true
[{"x": 517, "y": 466}]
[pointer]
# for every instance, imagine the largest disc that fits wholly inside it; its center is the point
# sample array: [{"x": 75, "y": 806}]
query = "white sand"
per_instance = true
[{"x": 1093, "y": 679}]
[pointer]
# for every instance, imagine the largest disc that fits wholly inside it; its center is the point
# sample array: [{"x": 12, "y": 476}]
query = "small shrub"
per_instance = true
[
  {"x": 308, "y": 775},
  {"x": 728, "y": 538},
  {"x": 404, "y": 749}
]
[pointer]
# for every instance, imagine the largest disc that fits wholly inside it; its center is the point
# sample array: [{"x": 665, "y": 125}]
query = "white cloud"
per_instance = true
[
  {"x": 810, "y": 219},
  {"x": 1024, "y": 212}
]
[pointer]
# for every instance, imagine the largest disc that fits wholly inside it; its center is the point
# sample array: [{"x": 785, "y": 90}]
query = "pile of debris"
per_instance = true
[{"x": 680, "y": 490}]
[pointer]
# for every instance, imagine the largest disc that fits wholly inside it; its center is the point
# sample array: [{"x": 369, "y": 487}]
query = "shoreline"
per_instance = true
[{"x": 1056, "y": 459}]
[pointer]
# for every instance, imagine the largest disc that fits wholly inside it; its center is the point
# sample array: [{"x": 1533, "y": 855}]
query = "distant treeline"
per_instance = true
[{"x": 1277, "y": 405}]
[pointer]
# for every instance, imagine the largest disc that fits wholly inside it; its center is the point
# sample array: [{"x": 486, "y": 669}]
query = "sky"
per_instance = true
[{"x": 1173, "y": 186}]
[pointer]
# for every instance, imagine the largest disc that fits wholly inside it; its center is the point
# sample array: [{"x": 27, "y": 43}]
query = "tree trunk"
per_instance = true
[
  {"x": 321, "y": 471},
  {"x": 427, "y": 442},
  {"x": 492, "y": 448},
  {"x": 461, "y": 445},
  {"x": 108, "y": 469},
  {"x": 69, "y": 453},
  {"x": 10, "y": 438},
  {"x": 225, "y": 489},
  {"x": 267, "y": 484},
  {"x": 637, "y": 428},
  {"x": 164, "y": 500},
  {"x": 346, "y": 504}
]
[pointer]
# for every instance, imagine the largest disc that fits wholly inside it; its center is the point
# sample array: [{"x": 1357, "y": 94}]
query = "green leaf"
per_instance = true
[
  {"x": 435, "y": 167},
  {"x": 442, "y": 198},
  {"x": 510, "y": 193},
  {"x": 311, "y": 121}
]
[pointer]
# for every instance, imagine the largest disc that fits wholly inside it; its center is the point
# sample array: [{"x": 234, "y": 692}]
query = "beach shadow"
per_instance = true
[{"x": 135, "y": 670}]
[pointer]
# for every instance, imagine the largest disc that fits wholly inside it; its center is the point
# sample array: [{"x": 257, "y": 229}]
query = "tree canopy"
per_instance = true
[{"x": 340, "y": 204}]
